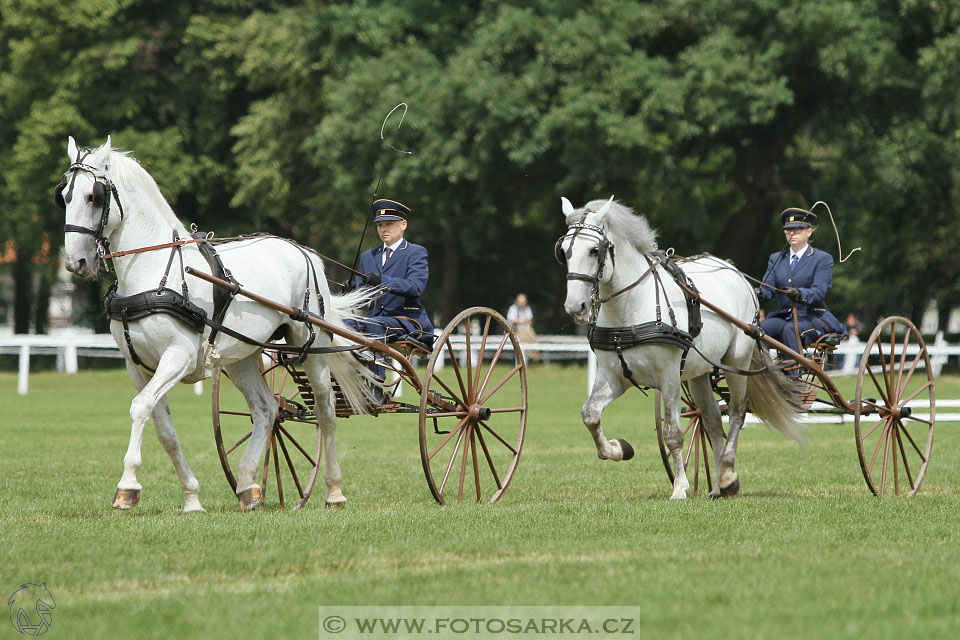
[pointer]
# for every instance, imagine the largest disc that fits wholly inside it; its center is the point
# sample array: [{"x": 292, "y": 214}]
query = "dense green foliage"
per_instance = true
[
  {"x": 709, "y": 116},
  {"x": 804, "y": 552}
]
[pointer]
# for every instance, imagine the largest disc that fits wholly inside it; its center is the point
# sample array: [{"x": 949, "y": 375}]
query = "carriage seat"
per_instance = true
[{"x": 409, "y": 345}]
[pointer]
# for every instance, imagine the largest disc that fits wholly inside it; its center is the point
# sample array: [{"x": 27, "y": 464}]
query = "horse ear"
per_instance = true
[
  {"x": 107, "y": 145},
  {"x": 604, "y": 209},
  {"x": 566, "y": 206},
  {"x": 71, "y": 148}
]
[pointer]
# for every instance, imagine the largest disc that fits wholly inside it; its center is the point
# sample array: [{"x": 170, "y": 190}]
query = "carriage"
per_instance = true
[
  {"x": 644, "y": 306},
  {"x": 889, "y": 392},
  {"x": 472, "y": 412}
]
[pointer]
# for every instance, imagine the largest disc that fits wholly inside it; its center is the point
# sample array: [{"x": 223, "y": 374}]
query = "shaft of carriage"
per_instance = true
[{"x": 319, "y": 322}]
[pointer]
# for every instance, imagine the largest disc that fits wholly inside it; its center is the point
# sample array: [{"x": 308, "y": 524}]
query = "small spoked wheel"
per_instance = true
[
  {"x": 696, "y": 450},
  {"x": 895, "y": 409},
  {"x": 473, "y": 408},
  {"x": 291, "y": 460}
]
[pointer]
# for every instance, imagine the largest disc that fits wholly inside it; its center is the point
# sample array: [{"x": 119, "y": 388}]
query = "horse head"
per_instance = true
[
  {"x": 584, "y": 250},
  {"x": 85, "y": 194}
]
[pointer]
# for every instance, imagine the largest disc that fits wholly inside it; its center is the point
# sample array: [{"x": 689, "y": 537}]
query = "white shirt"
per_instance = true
[
  {"x": 798, "y": 254},
  {"x": 393, "y": 248}
]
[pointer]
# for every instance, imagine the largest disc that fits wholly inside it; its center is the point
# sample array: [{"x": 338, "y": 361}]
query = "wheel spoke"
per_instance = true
[
  {"x": 880, "y": 389},
  {"x": 886, "y": 452},
  {"x": 917, "y": 392},
  {"x": 904, "y": 460},
  {"x": 476, "y": 467},
  {"x": 913, "y": 443},
  {"x": 873, "y": 428},
  {"x": 913, "y": 367},
  {"x": 500, "y": 384},
  {"x": 452, "y": 433},
  {"x": 497, "y": 436},
  {"x": 266, "y": 470},
  {"x": 903, "y": 360},
  {"x": 486, "y": 454},
  {"x": 883, "y": 368},
  {"x": 493, "y": 363},
  {"x": 297, "y": 445},
  {"x": 469, "y": 355},
  {"x": 456, "y": 369},
  {"x": 276, "y": 471},
  {"x": 706, "y": 461},
  {"x": 293, "y": 470},
  {"x": 239, "y": 442},
  {"x": 448, "y": 414},
  {"x": 880, "y": 442},
  {"x": 451, "y": 392},
  {"x": 456, "y": 448},
  {"x": 483, "y": 346},
  {"x": 226, "y": 412}
]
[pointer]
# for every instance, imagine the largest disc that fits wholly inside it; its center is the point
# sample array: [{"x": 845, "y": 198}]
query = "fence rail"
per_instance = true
[{"x": 69, "y": 346}]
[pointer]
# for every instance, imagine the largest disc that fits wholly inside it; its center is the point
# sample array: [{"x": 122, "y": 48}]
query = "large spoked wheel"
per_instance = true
[
  {"x": 291, "y": 459},
  {"x": 473, "y": 409},
  {"x": 895, "y": 409},
  {"x": 697, "y": 447}
]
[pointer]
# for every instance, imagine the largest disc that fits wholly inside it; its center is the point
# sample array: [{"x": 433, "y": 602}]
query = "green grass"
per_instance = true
[{"x": 804, "y": 552}]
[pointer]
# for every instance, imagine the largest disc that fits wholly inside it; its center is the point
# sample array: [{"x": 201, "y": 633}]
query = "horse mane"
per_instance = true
[
  {"x": 127, "y": 174},
  {"x": 621, "y": 221}
]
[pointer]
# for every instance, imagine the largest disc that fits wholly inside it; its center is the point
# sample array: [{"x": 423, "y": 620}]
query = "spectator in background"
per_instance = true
[
  {"x": 520, "y": 317},
  {"x": 854, "y": 326}
]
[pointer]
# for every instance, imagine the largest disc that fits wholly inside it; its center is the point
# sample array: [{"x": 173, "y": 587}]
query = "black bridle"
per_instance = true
[
  {"x": 604, "y": 248},
  {"x": 103, "y": 188}
]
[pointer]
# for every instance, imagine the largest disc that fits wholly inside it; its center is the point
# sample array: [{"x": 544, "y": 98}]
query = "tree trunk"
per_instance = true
[{"x": 23, "y": 299}]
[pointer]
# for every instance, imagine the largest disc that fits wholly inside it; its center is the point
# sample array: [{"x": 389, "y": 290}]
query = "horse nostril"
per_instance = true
[{"x": 81, "y": 263}]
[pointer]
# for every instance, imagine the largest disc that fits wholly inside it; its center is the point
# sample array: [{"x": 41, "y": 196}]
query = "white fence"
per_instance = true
[{"x": 68, "y": 346}]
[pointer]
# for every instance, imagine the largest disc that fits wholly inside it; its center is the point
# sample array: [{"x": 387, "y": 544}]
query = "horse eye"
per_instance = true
[
  {"x": 594, "y": 251},
  {"x": 89, "y": 197}
]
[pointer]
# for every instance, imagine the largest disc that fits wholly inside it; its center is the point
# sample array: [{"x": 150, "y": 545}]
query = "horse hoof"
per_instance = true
[
  {"x": 336, "y": 505},
  {"x": 626, "y": 448},
  {"x": 126, "y": 499},
  {"x": 730, "y": 490},
  {"x": 250, "y": 499}
]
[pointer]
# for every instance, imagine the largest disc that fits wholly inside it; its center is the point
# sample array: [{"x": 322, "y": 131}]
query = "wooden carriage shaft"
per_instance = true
[
  {"x": 806, "y": 362},
  {"x": 343, "y": 333}
]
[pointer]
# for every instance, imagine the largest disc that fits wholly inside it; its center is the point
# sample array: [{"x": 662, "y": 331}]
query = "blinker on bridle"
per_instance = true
[
  {"x": 604, "y": 247},
  {"x": 100, "y": 198}
]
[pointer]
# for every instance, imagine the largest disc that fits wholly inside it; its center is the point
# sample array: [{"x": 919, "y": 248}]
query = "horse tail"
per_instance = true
[
  {"x": 353, "y": 376},
  {"x": 773, "y": 399}
]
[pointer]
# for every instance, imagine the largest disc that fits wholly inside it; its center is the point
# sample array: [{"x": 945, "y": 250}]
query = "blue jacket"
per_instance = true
[
  {"x": 405, "y": 275},
  {"x": 813, "y": 277}
]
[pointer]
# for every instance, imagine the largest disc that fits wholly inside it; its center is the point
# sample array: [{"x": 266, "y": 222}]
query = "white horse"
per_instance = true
[
  {"x": 111, "y": 201},
  {"x": 607, "y": 249}
]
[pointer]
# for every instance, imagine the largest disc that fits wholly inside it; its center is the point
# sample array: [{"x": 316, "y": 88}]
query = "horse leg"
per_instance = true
[
  {"x": 711, "y": 419},
  {"x": 606, "y": 389},
  {"x": 245, "y": 374},
  {"x": 673, "y": 435},
  {"x": 167, "y": 435},
  {"x": 728, "y": 484},
  {"x": 317, "y": 368},
  {"x": 174, "y": 364}
]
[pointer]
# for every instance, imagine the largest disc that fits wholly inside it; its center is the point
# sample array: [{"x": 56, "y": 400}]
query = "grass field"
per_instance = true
[{"x": 804, "y": 552}]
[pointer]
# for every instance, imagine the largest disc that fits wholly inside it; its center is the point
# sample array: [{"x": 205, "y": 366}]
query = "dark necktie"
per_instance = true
[
  {"x": 386, "y": 255},
  {"x": 793, "y": 262}
]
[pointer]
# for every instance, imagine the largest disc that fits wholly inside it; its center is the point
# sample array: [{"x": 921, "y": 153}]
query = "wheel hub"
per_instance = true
[{"x": 476, "y": 412}]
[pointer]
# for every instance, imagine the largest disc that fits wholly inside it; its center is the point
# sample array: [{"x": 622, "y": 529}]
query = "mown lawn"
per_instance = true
[{"x": 804, "y": 552}]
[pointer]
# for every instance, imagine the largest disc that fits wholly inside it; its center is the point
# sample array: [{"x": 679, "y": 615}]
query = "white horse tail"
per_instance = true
[
  {"x": 353, "y": 376},
  {"x": 773, "y": 399}
]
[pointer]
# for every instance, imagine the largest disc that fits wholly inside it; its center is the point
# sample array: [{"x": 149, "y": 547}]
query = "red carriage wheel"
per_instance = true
[
  {"x": 473, "y": 409},
  {"x": 291, "y": 460},
  {"x": 895, "y": 409}
]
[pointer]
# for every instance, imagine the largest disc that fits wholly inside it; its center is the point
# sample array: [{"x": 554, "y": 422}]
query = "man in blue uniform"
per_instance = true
[
  {"x": 401, "y": 268},
  {"x": 804, "y": 275}
]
